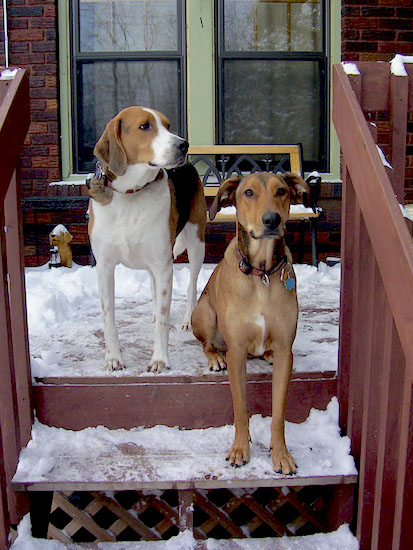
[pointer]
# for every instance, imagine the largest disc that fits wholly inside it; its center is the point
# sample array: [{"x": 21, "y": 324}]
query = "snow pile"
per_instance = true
[
  {"x": 338, "y": 540},
  {"x": 65, "y": 324}
]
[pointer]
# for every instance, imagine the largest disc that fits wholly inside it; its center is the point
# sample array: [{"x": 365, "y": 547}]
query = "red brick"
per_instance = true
[
  {"x": 26, "y": 35},
  {"x": 38, "y": 128},
  {"x": 395, "y": 47},
  {"x": 359, "y": 23},
  {"x": 46, "y": 162},
  {"x": 49, "y": 11},
  {"x": 37, "y": 105},
  {"x": 51, "y": 104}
]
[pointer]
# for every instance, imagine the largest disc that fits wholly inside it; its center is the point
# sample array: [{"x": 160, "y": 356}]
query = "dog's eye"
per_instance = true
[
  {"x": 249, "y": 193},
  {"x": 145, "y": 126},
  {"x": 281, "y": 191}
]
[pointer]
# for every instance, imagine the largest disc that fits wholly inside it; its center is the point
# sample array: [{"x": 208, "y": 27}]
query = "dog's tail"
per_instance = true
[{"x": 180, "y": 245}]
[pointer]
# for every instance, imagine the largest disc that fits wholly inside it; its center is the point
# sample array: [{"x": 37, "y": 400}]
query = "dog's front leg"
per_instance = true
[
  {"x": 236, "y": 359},
  {"x": 106, "y": 285},
  {"x": 283, "y": 361},
  {"x": 162, "y": 294}
]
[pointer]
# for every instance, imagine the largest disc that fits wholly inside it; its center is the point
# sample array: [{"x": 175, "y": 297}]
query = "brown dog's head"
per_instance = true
[
  {"x": 263, "y": 201},
  {"x": 139, "y": 135}
]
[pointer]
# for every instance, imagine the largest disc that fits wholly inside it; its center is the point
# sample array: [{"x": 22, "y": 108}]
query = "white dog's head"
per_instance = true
[{"x": 138, "y": 135}]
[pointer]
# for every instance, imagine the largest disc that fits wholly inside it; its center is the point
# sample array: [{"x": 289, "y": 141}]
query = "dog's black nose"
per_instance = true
[
  {"x": 183, "y": 147},
  {"x": 271, "y": 220}
]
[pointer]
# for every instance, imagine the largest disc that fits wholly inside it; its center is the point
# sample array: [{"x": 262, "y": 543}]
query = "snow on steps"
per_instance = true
[
  {"x": 337, "y": 540},
  {"x": 164, "y": 458}
]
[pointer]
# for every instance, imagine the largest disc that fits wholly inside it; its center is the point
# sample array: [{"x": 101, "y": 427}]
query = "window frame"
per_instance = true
[
  {"x": 79, "y": 58},
  {"x": 322, "y": 58}
]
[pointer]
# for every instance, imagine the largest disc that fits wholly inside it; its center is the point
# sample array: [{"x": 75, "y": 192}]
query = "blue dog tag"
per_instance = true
[{"x": 289, "y": 284}]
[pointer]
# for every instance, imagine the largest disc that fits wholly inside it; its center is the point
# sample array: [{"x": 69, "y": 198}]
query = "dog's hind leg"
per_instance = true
[
  {"x": 106, "y": 283},
  {"x": 196, "y": 253},
  {"x": 204, "y": 325}
]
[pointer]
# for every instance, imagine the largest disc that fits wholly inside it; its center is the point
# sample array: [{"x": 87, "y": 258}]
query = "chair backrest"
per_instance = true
[{"x": 218, "y": 162}]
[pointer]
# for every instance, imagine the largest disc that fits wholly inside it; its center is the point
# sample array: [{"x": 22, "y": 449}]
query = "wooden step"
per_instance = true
[{"x": 170, "y": 458}]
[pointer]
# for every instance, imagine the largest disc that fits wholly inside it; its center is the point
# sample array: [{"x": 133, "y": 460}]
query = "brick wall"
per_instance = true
[
  {"x": 376, "y": 30},
  {"x": 32, "y": 44}
]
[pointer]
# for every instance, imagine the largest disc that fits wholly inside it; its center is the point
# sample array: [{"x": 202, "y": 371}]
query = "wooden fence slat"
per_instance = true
[
  {"x": 380, "y": 344},
  {"x": 402, "y": 474},
  {"x": 8, "y": 405},
  {"x": 360, "y": 307},
  {"x": 386, "y": 335},
  {"x": 4, "y": 511},
  {"x": 348, "y": 243},
  {"x": 20, "y": 339},
  {"x": 406, "y": 535},
  {"x": 399, "y": 92}
]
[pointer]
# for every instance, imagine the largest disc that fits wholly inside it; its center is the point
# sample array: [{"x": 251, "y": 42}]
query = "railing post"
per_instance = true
[{"x": 399, "y": 91}]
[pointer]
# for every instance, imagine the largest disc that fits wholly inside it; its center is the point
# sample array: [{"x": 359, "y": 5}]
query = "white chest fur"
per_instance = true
[{"x": 133, "y": 229}]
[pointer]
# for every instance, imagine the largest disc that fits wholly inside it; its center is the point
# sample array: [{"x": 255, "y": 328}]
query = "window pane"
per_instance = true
[
  {"x": 107, "y": 87},
  {"x": 270, "y": 102},
  {"x": 128, "y": 25},
  {"x": 273, "y": 25}
]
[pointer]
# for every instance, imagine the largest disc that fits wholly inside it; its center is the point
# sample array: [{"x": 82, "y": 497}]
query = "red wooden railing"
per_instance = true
[
  {"x": 376, "y": 330},
  {"x": 15, "y": 403}
]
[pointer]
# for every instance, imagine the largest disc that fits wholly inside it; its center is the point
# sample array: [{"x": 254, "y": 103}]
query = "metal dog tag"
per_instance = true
[
  {"x": 289, "y": 284},
  {"x": 265, "y": 279}
]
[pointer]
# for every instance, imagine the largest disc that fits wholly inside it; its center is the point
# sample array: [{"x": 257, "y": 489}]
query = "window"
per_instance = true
[
  {"x": 272, "y": 74},
  {"x": 223, "y": 71},
  {"x": 124, "y": 52}
]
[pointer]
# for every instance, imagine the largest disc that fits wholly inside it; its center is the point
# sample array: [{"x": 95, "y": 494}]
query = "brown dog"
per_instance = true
[
  {"x": 61, "y": 238},
  {"x": 249, "y": 305}
]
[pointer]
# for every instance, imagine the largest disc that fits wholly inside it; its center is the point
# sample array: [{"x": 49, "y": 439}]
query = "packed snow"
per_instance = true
[
  {"x": 397, "y": 64},
  {"x": 162, "y": 454},
  {"x": 66, "y": 334},
  {"x": 342, "y": 539}
]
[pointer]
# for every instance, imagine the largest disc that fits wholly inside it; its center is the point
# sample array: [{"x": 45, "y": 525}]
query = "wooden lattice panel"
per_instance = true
[
  {"x": 265, "y": 512},
  {"x": 121, "y": 516},
  {"x": 215, "y": 513}
]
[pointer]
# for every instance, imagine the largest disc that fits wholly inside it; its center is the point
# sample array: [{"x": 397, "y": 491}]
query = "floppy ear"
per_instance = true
[
  {"x": 299, "y": 189},
  {"x": 67, "y": 237},
  {"x": 225, "y": 195},
  {"x": 109, "y": 148}
]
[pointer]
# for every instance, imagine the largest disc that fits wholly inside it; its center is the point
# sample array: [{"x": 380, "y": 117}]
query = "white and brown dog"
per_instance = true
[{"x": 140, "y": 215}]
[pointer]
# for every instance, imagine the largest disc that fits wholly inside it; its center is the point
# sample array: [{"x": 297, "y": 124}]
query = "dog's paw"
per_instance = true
[
  {"x": 156, "y": 366},
  {"x": 186, "y": 325},
  {"x": 217, "y": 363},
  {"x": 283, "y": 461},
  {"x": 112, "y": 364},
  {"x": 100, "y": 192},
  {"x": 239, "y": 454},
  {"x": 268, "y": 356}
]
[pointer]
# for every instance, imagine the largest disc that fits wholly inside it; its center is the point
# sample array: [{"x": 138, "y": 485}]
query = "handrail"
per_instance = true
[
  {"x": 13, "y": 108},
  {"x": 388, "y": 233},
  {"x": 16, "y": 409}
]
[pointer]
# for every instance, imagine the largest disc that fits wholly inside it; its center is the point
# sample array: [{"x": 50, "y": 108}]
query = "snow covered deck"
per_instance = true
[
  {"x": 66, "y": 336},
  {"x": 171, "y": 458}
]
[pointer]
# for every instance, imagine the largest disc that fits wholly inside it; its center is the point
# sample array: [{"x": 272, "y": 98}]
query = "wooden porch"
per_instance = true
[{"x": 373, "y": 384}]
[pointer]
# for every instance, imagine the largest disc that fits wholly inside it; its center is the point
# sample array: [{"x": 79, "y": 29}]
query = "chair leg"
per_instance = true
[{"x": 314, "y": 251}]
